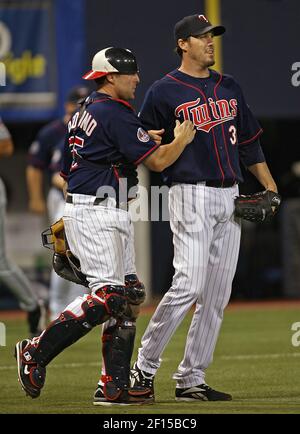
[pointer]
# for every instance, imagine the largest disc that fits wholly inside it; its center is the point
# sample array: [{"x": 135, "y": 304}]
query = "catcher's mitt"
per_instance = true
[{"x": 257, "y": 207}]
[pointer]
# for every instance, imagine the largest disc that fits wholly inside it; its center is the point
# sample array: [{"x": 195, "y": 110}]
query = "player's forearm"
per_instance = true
[
  {"x": 34, "y": 179},
  {"x": 58, "y": 181},
  {"x": 165, "y": 155},
  {"x": 65, "y": 188},
  {"x": 263, "y": 175}
]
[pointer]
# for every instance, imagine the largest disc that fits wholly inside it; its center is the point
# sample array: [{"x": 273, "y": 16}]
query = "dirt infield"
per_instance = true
[{"x": 234, "y": 305}]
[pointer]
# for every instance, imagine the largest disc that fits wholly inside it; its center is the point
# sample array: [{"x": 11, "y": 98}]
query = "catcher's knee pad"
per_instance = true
[
  {"x": 116, "y": 300},
  {"x": 135, "y": 289},
  {"x": 117, "y": 349},
  {"x": 136, "y": 296}
]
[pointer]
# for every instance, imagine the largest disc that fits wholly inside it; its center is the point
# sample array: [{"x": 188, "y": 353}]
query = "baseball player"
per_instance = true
[
  {"x": 203, "y": 183},
  {"x": 44, "y": 156},
  {"x": 107, "y": 141},
  {"x": 10, "y": 274}
]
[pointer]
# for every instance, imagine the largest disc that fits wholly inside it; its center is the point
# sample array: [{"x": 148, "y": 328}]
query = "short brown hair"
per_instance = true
[
  {"x": 178, "y": 50},
  {"x": 100, "y": 81}
]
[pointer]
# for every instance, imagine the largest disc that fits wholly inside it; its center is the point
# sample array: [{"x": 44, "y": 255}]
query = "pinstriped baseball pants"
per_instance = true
[
  {"x": 206, "y": 240},
  {"x": 102, "y": 238}
]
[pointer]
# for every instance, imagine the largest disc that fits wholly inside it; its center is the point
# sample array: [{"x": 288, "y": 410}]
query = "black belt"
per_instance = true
[
  {"x": 218, "y": 183},
  {"x": 97, "y": 201}
]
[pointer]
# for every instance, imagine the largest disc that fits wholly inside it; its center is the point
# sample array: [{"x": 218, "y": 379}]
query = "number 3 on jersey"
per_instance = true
[{"x": 232, "y": 134}]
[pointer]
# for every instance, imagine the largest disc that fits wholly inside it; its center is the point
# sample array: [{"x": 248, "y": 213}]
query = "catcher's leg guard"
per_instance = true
[
  {"x": 117, "y": 349},
  {"x": 76, "y": 321}
]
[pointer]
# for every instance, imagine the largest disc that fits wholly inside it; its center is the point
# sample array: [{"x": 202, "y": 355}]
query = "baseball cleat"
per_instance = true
[
  {"x": 134, "y": 396},
  {"x": 200, "y": 393},
  {"x": 141, "y": 378},
  {"x": 31, "y": 375}
]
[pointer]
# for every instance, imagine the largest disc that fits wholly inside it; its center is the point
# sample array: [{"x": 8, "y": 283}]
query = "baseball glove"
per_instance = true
[
  {"x": 65, "y": 264},
  {"x": 257, "y": 207}
]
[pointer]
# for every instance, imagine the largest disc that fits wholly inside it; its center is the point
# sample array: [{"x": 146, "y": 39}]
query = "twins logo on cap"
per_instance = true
[{"x": 203, "y": 18}]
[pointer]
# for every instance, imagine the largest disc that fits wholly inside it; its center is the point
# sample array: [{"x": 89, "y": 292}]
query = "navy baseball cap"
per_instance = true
[
  {"x": 195, "y": 25},
  {"x": 77, "y": 93}
]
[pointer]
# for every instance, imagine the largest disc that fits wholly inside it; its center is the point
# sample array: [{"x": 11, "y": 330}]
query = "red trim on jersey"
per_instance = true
[
  {"x": 101, "y": 100},
  {"x": 122, "y": 101},
  {"x": 252, "y": 138},
  {"x": 218, "y": 156},
  {"x": 203, "y": 94},
  {"x": 223, "y": 133},
  {"x": 116, "y": 173},
  {"x": 63, "y": 175},
  {"x": 137, "y": 162}
]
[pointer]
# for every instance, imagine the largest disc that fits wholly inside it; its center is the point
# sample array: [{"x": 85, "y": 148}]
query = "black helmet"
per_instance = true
[{"x": 120, "y": 60}]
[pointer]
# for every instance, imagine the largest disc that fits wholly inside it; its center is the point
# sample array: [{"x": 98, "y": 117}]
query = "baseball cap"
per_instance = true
[
  {"x": 111, "y": 59},
  {"x": 195, "y": 25},
  {"x": 77, "y": 93}
]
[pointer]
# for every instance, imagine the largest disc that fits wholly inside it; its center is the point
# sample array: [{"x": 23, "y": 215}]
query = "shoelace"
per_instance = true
[
  {"x": 145, "y": 379},
  {"x": 206, "y": 387}
]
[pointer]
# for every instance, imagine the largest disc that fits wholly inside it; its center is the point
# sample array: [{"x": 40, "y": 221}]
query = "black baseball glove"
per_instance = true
[{"x": 257, "y": 207}]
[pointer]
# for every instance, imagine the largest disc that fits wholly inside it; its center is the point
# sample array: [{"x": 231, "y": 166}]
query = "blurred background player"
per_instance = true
[
  {"x": 44, "y": 157},
  {"x": 10, "y": 273}
]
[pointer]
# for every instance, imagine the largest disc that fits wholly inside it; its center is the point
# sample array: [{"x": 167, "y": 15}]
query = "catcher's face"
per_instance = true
[
  {"x": 199, "y": 49},
  {"x": 125, "y": 85}
]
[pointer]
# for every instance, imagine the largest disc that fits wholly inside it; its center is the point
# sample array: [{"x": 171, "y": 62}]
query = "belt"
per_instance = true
[
  {"x": 218, "y": 184},
  {"x": 97, "y": 201}
]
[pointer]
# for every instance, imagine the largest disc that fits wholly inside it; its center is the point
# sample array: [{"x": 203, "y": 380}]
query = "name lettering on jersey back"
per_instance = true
[
  {"x": 207, "y": 116},
  {"x": 86, "y": 122}
]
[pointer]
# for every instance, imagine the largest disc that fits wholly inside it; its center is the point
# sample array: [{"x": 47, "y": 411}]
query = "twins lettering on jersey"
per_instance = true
[{"x": 204, "y": 118}]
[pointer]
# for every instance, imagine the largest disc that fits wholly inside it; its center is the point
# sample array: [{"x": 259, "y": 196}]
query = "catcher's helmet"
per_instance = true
[{"x": 112, "y": 59}]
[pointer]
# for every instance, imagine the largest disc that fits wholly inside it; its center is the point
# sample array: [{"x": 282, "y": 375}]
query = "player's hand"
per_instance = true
[
  {"x": 37, "y": 206},
  {"x": 156, "y": 135},
  {"x": 185, "y": 131}
]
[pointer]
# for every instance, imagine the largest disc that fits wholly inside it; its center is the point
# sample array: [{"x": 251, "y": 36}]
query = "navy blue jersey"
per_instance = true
[
  {"x": 226, "y": 129},
  {"x": 41, "y": 150},
  {"x": 57, "y": 157},
  {"x": 108, "y": 131}
]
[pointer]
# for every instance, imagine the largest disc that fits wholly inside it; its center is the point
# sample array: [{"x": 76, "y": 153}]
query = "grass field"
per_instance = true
[{"x": 254, "y": 360}]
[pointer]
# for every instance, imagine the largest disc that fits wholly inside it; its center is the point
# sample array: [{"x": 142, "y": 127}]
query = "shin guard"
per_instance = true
[
  {"x": 67, "y": 329},
  {"x": 117, "y": 348}
]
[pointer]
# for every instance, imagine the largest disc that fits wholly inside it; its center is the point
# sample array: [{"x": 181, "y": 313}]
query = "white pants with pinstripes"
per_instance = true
[
  {"x": 206, "y": 241},
  {"x": 102, "y": 238}
]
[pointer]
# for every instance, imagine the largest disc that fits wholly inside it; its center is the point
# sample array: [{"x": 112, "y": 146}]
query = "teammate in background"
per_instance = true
[
  {"x": 107, "y": 141},
  {"x": 44, "y": 157},
  {"x": 10, "y": 273},
  {"x": 204, "y": 182}
]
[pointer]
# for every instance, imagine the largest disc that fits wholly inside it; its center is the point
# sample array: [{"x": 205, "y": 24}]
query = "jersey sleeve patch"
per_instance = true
[{"x": 142, "y": 135}]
